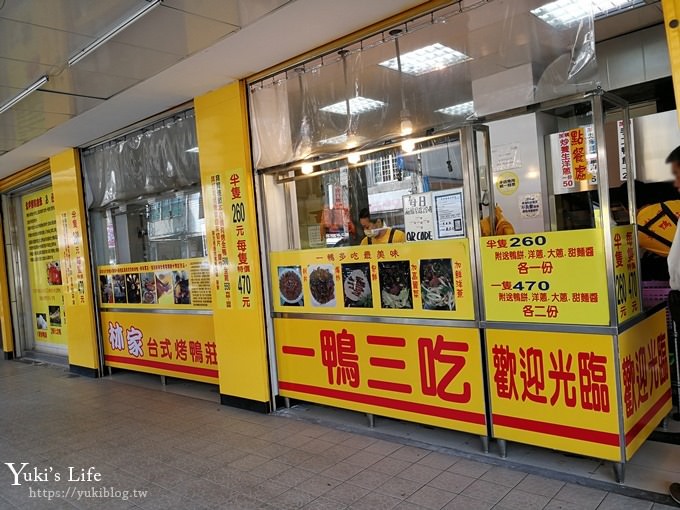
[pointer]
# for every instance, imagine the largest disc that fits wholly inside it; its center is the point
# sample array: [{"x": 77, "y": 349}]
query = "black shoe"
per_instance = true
[{"x": 674, "y": 491}]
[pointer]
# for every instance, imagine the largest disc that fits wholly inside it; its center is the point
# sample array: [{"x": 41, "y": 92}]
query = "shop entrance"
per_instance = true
[{"x": 30, "y": 226}]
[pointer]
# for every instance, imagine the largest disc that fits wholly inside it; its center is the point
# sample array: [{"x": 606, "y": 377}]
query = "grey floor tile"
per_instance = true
[
  {"x": 659, "y": 506},
  {"x": 375, "y": 501},
  {"x": 293, "y": 498},
  {"x": 452, "y": 482},
  {"x": 467, "y": 503},
  {"x": 370, "y": 479},
  {"x": 419, "y": 473},
  {"x": 399, "y": 487},
  {"x": 346, "y": 493},
  {"x": 391, "y": 466},
  {"x": 364, "y": 459},
  {"x": 438, "y": 460},
  {"x": 343, "y": 471},
  {"x": 617, "y": 501},
  {"x": 582, "y": 496},
  {"x": 556, "y": 504},
  {"x": 518, "y": 499},
  {"x": 318, "y": 485},
  {"x": 540, "y": 485},
  {"x": 486, "y": 491},
  {"x": 325, "y": 504},
  {"x": 431, "y": 497},
  {"x": 503, "y": 476},
  {"x": 410, "y": 453},
  {"x": 470, "y": 468}
]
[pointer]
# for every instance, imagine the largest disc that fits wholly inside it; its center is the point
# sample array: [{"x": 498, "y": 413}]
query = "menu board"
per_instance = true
[
  {"x": 549, "y": 277},
  {"x": 426, "y": 280},
  {"x": 44, "y": 267},
  {"x": 166, "y": 284},
  {"x": 574, "y": 159}
]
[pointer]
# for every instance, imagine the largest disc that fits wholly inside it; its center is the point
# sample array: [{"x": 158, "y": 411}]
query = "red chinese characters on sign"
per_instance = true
[
  {"x": 440, "y": 363},
  {"x": 551, "y": 377},
  {"x": 567, "y": 175},
  {"x": 644, "y": 372},
  {"x": 238, "y": 218}
]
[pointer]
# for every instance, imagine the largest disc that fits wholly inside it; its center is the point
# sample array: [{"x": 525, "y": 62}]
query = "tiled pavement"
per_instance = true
[{"x": 193, "y": 454}]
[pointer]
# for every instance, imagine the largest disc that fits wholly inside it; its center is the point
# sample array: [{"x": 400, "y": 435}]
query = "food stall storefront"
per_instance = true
[
  {"x": 439, "y": 244},
  {"x": 148, "y": 236}
]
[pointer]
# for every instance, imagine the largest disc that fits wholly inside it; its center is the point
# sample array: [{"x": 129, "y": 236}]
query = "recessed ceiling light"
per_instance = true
[
  {"x": 563, "y": 13},
  {"x": 425, "y": 60},
  {"x": 357, "y": 105},
  {"x": 458, "y": 109}
]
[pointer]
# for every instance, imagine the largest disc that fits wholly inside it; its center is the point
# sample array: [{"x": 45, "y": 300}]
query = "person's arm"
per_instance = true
[{"x": 399, "y": 236}]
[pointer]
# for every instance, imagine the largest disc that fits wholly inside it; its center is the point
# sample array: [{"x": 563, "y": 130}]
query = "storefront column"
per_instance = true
[
  {"x": 5, "y": 307},
  {"x": 79, "y": 305},
  {"x": 233, "y": 253},
  {"x": 671, "y": 15}
]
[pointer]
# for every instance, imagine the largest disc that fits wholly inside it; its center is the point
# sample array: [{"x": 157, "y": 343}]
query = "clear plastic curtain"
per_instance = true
[
  {"x": 472, "y": 59},
  {"x": 153, "y": 160}
]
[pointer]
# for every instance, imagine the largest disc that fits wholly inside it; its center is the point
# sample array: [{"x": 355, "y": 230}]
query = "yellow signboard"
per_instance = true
[
  {"x": 425, "y": 374},
  {"x": 645, "y": 381},
  {"x": 626, "y": 272},
  {"x": 180, "y": 346},
  {"x": 44, "y": 267},
  {"x": 549, "y": 277},
  {"x": 555, "y": 390},
  {"x": 428, "y": 280},
  {"x": 182, "y": 284}
]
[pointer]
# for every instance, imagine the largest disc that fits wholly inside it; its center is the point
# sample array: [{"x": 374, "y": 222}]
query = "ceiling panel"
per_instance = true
[
  {"x": 56, "y": 103},
  {"x": 85, "y": 17},
  {"x": 175, "y": 32},
  {"x": 78, "y": 81},
  {"x": 19, "y": 74},
  {"x": 235, "y": 12},
  {"x": 127, "y": 61},
  {"x": 24, "y": 125},
  {"x": 32, "y": 43}
]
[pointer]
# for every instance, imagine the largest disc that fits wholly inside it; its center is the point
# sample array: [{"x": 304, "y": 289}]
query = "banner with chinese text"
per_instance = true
[
  {"x": 182, "y": 284},
  {"x": 426, "y": 280},
  {"x": 423, "y": 374},
  {"x": 179, "y": 346},
  {"x": 555, "y": 390},
  {"x": 44, "y": 267},
  {"x": 645, "y": 381},
  {"x": 626, "y": 272},
  {"x": 550, "y": 277}
]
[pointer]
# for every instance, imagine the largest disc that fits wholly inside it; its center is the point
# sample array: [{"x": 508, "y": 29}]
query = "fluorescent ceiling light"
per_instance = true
[
  {"x": 101, "y": 40},
  {"x": 23, "y": 94},
  {"x": 357, "y": 105},
  {"x": 563, "y": 13},
  {"x": 458, "y": 109},
  {"x": 193, "y": 149},
  {"x": 425, "y": 60}
]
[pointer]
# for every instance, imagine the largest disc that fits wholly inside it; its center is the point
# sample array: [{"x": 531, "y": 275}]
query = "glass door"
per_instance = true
[{"x": 36, "y": 295}]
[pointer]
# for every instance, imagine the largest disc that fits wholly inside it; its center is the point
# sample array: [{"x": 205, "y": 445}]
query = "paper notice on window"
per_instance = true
[
  {"x": 418, "y": 219},
  {"x": 449, "y": 214}
]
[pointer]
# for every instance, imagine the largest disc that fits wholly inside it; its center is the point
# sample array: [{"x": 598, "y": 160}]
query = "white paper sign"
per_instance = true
[
  {"x": 505, "y": 157},
  {"x": 418, "y": 220},
  {"x": 530, "y": 205},
  {"x": 449, "y": 214}
]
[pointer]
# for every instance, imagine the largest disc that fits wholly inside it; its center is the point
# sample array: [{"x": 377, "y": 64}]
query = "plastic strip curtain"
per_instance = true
[
  {"x": 465, "y": 61},
  {"x": 156, "y": 159}
]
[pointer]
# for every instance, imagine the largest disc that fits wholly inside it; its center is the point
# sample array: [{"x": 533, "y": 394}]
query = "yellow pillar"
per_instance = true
[
  {"x": 233, "y": 251},
  {"x": 79, "y": 306},
  {"x": 671, "y": 15},
  {"x": 5, "y": 312}
]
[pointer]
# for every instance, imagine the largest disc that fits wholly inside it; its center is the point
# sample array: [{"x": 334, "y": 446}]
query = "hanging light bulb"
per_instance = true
[
  {"x": 408, "y": 145},
  {"x": 406, "y": 125},
  {"x": 353, "y": 158},
  {"x": 307, "y": 168}
]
